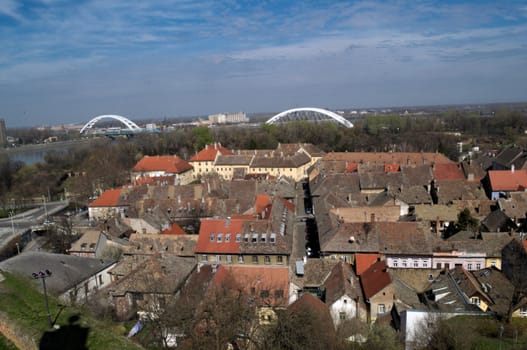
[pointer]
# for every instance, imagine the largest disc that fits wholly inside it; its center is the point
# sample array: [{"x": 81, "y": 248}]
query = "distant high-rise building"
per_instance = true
[
  {"x": 224, "y": 118},
  {"x": 3, "y": 134}
]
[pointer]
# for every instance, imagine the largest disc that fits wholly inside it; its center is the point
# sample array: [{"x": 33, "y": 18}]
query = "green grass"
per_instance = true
[{"x": 25, "y": 305}]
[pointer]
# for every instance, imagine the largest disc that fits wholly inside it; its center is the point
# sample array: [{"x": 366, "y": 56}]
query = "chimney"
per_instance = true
[
  {"x": 372, "y": 217},
  {"x": 512, "y": 168}
]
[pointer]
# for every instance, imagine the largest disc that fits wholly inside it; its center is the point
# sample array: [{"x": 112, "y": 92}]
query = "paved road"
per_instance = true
[{"x": 23, "y": 221}]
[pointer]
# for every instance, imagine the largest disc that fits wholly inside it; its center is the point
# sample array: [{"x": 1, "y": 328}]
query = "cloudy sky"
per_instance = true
[{"x": 69, "y": 61}]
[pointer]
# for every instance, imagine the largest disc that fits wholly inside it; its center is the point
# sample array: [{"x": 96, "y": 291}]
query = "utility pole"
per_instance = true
[{"x": 43, "y": 275}]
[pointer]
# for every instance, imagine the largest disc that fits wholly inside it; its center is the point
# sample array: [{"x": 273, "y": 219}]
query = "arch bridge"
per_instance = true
[
  {"x": 305, "y": 113},
  {"x": 130, "y": 125}
]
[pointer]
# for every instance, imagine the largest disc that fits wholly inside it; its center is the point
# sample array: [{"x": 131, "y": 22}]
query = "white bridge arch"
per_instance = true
[
  {"x": 127, "y": 122},
  {"x": 330, "y": 114}
]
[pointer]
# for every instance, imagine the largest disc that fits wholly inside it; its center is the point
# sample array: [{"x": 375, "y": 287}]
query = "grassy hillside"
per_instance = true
[{"x": 24, "y": 305}]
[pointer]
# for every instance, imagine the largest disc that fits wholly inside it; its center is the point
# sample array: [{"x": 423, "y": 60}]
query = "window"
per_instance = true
[
  {"x": 272, "y": 238},
  {"x": 264, "y": 294},
  {"x": 267, "y": 259},
  {"x": 447, "y": 265},
  {"x": 395, "y": 263},
  {"x": 227, "y": 238},
  {"x": 212, "y": 237},
  {"x": 478, "y": 266},
  {"x": 238, "y": 237},
  {"x": 240, "y": 259},
  {"x": 405, "y": 264},
  {"x": 416, "y": 263},
  {"x": 278, "y": 294},
  {"x": 475, "y": 301},
  {"x": 523, "y": 311},
  {"x": 263, "y": 238},
  {"x": 493, "y": 263},
  {"x": 218, "y": 258},
  {"x": 425, "y": 263},
  {"x": 381, "y": 308},
  {"x": 255, "y": 259},
  {"x": 469, "y": 267},
  {"x": 220, "y": 237},
  {"x": 204, "y": 257},
  {"x": 101, "y": 282},
  {"x": 246, "y": 238},
  {"x": 229, "y": 259},
  {"x": 254, "y": 238},
  {"x": 342, "y": 315},
  {"x": 279, "y": 259},
  {"x": 438, "y": 265}
]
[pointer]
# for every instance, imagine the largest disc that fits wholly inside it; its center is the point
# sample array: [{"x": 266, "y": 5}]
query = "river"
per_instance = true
[{"x": 31, "y": 154}]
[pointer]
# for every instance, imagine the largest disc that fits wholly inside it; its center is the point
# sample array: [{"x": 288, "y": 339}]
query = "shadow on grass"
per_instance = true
[{"x": 71, "y": 337}]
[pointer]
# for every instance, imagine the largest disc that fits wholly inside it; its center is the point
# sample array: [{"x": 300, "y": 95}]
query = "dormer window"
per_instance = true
[
  {"x": 246, "y": 238},
  {"x": 220, "y": 237},
  {"x": 238, "y": 237},
  {"x": 273, "y": 238},
  {"x": 263, "y": 238},
  {"x": 212, "y": 237},
  {"x": 254, "y": 238},
  {"x": 227, "y": 238}
]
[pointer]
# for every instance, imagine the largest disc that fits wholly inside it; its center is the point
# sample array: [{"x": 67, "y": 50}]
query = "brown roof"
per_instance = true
[
  {"x": 342, "y": 281},
  {"x": 515, "y": 205},
  {"x": 448, "y": 171},
  {"x": 280, "y": 161},
  {"x": 366, "y": 214},
  {"x": 402, "y": 158},
  {"x": 375, "y": 279}
]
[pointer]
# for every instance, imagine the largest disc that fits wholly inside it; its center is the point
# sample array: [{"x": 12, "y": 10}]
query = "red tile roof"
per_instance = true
[
  {"x": 263, "y": 201},
  {"x": 175, "y": 229},
  {"x": 363, "y": 261},
  {"x": 255, "y": 279},
  {"x": 351, "y": 167},
  {"x": 375, "y": 279},
  {"x": 508, "y": 180},
  {"x": 447, "y": 172},
  {"x": 308, "y": 300},
  {"x": 218, "y": 236},
  {"x": 208, "y": 154},
  {"x": 169, "y": 164},
  {"x": 391, "y": 168},
  {"x": 109, "y": 198}
]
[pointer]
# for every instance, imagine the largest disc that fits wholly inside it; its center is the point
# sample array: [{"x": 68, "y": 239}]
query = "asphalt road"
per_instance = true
[{"x": 23, "y": 221}]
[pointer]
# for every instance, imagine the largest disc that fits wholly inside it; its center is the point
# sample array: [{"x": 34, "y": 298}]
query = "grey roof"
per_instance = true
[
  {"x": 236, "y": 159},
  {"x": 67, "y": 270},
  {"x": 497, "y": 221},
  {"x": 510, "y": 156},
  {"x": 515, "y": 205},
  {"x": 450, "y": 190},
  {"x": 278, "y": 160}
]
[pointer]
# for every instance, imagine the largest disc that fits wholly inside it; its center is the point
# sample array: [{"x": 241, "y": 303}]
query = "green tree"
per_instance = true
[{"x": 465, "y": 221}]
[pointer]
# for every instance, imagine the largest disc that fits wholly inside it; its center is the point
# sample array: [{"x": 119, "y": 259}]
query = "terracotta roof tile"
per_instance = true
[
  {"x": 255, "y": 279},
  {"x": 507, "y": 180},
  {"x": 375, "y": 279},
  {"x": 174, "y": 229},
  {"x": 208, "y": 154},
  {"x": 219, "y": 236},
  {"x": 449, "y": 171},
  {"x": 391, "y": 168},
  {"x": 364, "y": 261},
  {"x": 109, "y": 198},
  {"x": 168, "y": 164}
]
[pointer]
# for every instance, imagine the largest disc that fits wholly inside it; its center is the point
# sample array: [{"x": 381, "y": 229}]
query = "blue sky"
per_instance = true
[{"x": 69, "y": 61}]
